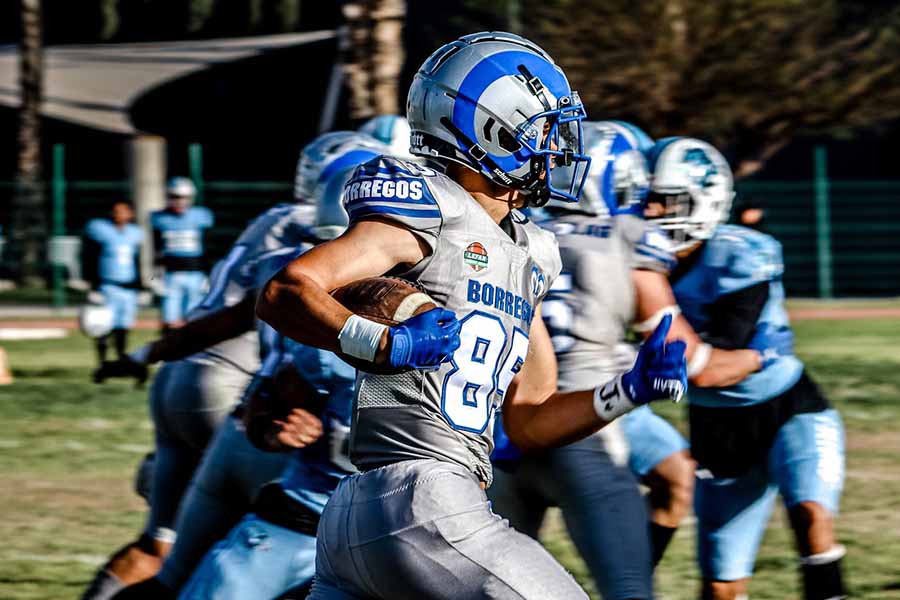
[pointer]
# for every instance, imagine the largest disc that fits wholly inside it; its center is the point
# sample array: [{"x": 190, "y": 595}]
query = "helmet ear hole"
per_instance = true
[{"x": 506, "y": 141}]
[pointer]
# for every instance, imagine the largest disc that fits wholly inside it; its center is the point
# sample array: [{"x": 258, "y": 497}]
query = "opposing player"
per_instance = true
[
  {"x": 232, "y": 470},
  {"x": 770, "y": 433},
  {"x": 178, "y": 233},
  {"x": 496, "y": 112},
  {"x": 112, "y": 249}
]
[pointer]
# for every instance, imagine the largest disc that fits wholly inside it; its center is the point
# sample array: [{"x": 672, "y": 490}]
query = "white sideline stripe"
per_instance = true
[
  {"x": 86, "y": 559},
  {"x": 136, "y": 448},
  {"x": 32, "y": 333}
]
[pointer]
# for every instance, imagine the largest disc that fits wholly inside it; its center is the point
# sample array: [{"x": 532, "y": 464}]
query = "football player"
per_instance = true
[
  {"x": 112, "y": 251},
  {"x": 232, "y": 469},
  {"x": 285, "y": 516},
  {"x": 392, "y": 130},
  {"x": 178, "y": 232},
  {"x": 771, "y": 433},
  {"x": 496, "y": 113}
]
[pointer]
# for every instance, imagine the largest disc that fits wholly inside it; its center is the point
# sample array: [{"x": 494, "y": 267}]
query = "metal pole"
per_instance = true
[
  {"x": 147, "y": 172},
  {"x": 58, "y": 184},
  {"x": 823, "y": 224},
  {"x": 195, "y": 158},
  {"x": 333, "y": 91}
]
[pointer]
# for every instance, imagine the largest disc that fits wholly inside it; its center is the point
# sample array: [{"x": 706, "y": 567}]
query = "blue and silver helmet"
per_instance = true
[
  {"x": 328, "y": 153},
  {"x": 618, "y": 179},
  {"x": 498, "y": 104},
  {"x": 691, "y": 189},
  {"x": 391, "y": 130}
]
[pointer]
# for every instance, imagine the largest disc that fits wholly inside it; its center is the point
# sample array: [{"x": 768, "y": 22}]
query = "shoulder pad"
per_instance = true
[
  {"x": 651, "y": 249},
  {"x": 744, "y": 257},
  {"x": 392, "y": 189}
]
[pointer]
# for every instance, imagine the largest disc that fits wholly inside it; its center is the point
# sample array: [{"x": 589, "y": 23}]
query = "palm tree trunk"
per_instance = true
[{"x": 29, "y": 221}]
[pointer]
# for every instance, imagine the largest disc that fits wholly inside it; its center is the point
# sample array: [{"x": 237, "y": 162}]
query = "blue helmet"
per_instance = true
[
  {"x": 498, "y": 104},
  {"x": 322, "y": 154},
  {"x": 391, "y": 130},
  {"x": 618, "y": 179},
  {"x": 693, "y": 184}
]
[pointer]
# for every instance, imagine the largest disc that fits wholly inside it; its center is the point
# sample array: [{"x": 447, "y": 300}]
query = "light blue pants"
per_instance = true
[
  {"x": 256, "y": 560},
  {"x": 805, "y": 464},
  {"x": 123, "y": 303},
  {"x": 651, "y": 439},
  {"x": 184, "y": 291}
]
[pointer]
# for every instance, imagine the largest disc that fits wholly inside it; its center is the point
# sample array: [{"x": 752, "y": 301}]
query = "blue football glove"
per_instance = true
[
  {"x": 772, "y": 342},
  {"x": 424, "y": 341},
  {"x": 660, "y": 370}
]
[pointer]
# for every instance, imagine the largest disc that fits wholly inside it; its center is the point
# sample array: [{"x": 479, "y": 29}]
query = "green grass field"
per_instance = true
[{"x": 68, "y": 450}]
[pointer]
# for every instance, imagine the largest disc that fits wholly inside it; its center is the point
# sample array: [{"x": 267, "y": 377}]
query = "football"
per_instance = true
[{"x": 385, "y": 300}]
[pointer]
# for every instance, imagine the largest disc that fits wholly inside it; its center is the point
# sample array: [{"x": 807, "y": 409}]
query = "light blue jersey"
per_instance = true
[
  {"x": 119, "y": 249},
  {"x": 314, "y": 471},
  {"x": 181, "y": 235},
  {"x": 736, "y": 258}
]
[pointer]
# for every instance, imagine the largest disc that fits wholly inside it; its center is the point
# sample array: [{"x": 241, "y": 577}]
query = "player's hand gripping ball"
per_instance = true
[
  {"x": 421, "y": 334},
  {"x": 660, "y": 370}
]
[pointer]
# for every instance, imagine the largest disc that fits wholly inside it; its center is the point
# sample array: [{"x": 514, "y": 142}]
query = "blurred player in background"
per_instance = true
[
  {"x": 112, "y": 265},
  {"x": 416, "y": 522},
  {"x": 232, "y": 470},
  {"x": 393, "y": 131},
  {"x": 771, "y": 433},
  {"x": 178, "y": 233}
]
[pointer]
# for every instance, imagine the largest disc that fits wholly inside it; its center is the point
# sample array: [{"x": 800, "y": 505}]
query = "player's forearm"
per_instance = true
[
  {"x": 727, "y": 367},
  {"x": 297, "y": 306},
  {"x": 563, "y": 418},
  {"x": 202, "y": 333}
]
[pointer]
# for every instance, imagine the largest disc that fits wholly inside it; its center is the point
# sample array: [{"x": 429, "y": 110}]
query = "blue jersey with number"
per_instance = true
[
  {"x": 736, "y": 258},
  {"x": 492, "y": 276},
  {"x": 181, "y": 235},
  {"x": 119, "y": 249},
  {"x": 315, "y": 470}
]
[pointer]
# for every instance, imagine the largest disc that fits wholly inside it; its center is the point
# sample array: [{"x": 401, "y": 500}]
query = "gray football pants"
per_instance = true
[
  {"x": 188, "y": 402},
  {"x": 221, "y": 493},
  {"x": 423, "y": 529},
  {"x": 602, "y": 507}
]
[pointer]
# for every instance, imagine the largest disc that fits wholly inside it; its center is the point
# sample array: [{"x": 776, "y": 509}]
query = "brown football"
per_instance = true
[{"x": 385, "y": 300}]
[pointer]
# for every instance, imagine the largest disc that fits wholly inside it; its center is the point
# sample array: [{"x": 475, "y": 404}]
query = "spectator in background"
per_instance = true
[
  {"x": 178, "y": 233},
  {"x": 750, "y": 213},
  {"x": 112, "y": 249}
]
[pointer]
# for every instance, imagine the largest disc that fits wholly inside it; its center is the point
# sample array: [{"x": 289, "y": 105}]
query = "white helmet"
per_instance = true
[
  {"x": 331, "y": 217},
  {"x": 393, "y": 131},
  {"x": 322, "y": 151},
  {"x": 95, "y": 320},
  {"x": 181, "y": 187},
  {"x": 618, "y": 179},
  {"x": 693, "y": 183},
  {"x": 498, "y": 104}
]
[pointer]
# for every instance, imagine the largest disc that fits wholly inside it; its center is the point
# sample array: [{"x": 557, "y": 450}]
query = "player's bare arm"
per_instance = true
[
  {"x": 296, "y": 302},
  {"x": 536, "y": 415},
  {"x": 707, "y": 366}
]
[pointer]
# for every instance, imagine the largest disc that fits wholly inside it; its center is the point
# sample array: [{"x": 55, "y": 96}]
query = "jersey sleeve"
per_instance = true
[
  {"x": 205, "y": 218},
  {"x": 155, "y": 218},
  {"x": 650, "y": 247},
  {"x": 96, "y": 230},
  {"x": 744, "y": 258},
  {"x": 387, "y": 188}
]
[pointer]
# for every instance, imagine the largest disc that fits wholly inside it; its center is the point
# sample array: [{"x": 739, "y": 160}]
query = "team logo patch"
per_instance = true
[
  {"x": 538, "y": 282},
  {"x": 476, "y": 256}
]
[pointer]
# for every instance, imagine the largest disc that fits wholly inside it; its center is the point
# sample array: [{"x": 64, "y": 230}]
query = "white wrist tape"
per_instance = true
[
  {"x": 360, "y": 338},
  {"x": 142, "y": 354},
  {"x": 611, "y": 401},
  {"x": 699, "y": 360},
  {"x": 651, "y": 323}
]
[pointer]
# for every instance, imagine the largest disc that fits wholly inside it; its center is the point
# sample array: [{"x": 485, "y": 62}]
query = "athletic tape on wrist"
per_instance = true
[
  {"x": 699, "y": 360},
  {"x": 360, "y": 338},
  {"x": 611, "y": 401},
  {"x": 651, "y": 323},
  {"x": 142, "y": 354}
]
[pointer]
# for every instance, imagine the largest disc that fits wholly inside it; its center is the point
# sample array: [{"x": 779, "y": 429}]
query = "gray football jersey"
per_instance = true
[
  {"x": 270, "y": 241},
  {"x": 592, "y": 303},
  {"x": 491, "y": 279}
]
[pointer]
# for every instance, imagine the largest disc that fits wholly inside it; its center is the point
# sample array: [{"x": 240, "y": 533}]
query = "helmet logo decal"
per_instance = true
[{"x": 476, "y": 256}]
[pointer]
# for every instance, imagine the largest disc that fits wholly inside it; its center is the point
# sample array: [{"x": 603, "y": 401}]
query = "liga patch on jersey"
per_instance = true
[{"x": 476, "y": 256}]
